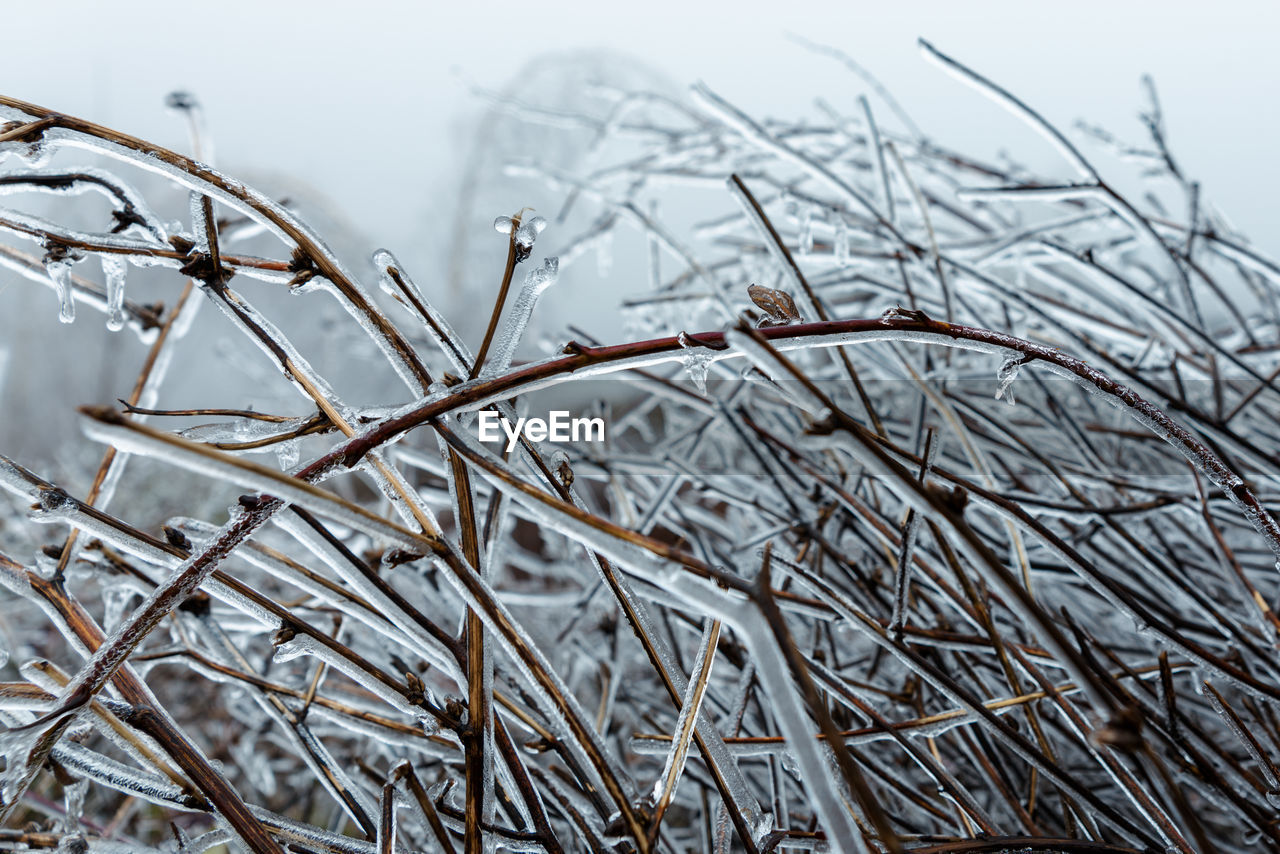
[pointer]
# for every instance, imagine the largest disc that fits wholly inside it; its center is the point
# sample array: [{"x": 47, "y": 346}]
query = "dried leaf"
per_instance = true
[{"x": 778, "y": 305}]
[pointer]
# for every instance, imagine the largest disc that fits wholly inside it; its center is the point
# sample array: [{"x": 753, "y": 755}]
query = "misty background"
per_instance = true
[{"x": 377, "y": 120}]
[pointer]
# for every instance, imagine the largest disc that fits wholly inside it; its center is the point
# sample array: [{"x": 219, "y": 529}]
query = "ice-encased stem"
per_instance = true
[{"x": 536, "y": 281}]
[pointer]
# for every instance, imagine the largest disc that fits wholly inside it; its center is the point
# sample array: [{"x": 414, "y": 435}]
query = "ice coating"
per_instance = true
[
  {"x": 1055, "y": 519},
  {"x": 748, "y": 127},
  {"x": 767, "y": 362},
  {"x": 533, "y": 669},
  {"x": 512, "y": 332},
  {"x": 301, "y": 645},
  {"x": 117, "y": 775},
  {"x": 717, "y": 753},
  {"x": 1010, "y": 103},
  {"x": 374, "y": 620},
  {"x": 437, "y": 326},
  {"x": 188, "y": 456},
  {"x": 426, "y": 645},
  {"x": 618, "y": 550},
  {"x": 690, "y": 707},
  {"x": 357, "y": 803},
  {"x": 811, "y": 759},
  {"x": 242, "y": 430}
]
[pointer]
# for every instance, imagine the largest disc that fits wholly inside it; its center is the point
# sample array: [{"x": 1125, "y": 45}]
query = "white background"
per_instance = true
[
  {"x": 362, "y": 99},
  {"x": 360, "y": 112}
]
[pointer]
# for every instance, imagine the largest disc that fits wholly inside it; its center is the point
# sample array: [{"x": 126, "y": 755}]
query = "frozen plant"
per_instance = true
[{"x": 828, "y": 584}]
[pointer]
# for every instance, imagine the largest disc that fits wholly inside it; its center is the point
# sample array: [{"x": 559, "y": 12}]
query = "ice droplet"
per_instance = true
[
  {"x": 114, "y": 270},
  {"x": 502, "y": 225},
  {"x": 1006, "y": 375},
  {"x": 528, "y": 231}
]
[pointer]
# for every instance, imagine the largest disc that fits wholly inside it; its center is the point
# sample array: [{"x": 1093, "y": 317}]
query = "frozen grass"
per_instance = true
[{"x": 933, "y": 516}]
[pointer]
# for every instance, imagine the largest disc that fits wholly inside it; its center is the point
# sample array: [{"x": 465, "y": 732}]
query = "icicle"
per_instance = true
[
  {"x": 806, "y": 231},
  {"x": 1006, "y": 375},
  {"x": 696, "y": 361},
  {"x": 697, "y": 364},
  {"x": 73, "y": 801},
  {"x": 58, "y": 265},
  {"x": 114, "y": 270}
]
